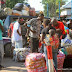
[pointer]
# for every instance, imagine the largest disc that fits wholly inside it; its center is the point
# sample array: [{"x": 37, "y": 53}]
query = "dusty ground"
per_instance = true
[{"x": 11, "y": 66}]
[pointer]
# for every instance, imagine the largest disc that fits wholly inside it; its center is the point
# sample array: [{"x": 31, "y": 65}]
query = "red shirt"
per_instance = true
[
  {"x": 11, "y": 27},
  {"x": 61, "y": 27}
]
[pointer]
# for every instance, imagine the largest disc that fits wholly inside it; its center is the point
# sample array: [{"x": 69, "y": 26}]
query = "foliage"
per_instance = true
[
  {"x": 53, "y": 5},
  {"x": 11, "y": 3}
]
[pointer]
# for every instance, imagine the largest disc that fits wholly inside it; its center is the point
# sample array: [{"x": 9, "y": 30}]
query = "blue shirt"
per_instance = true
[{"x": 1, "y": 22}]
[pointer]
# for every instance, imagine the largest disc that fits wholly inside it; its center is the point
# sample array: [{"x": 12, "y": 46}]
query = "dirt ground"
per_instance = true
[{"x": 12, "y": 66}]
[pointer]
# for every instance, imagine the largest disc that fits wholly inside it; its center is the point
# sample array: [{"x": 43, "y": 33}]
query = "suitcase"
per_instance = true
[
  {"x": 20, "y": 54},
  {"x": 35, "y": 62}
]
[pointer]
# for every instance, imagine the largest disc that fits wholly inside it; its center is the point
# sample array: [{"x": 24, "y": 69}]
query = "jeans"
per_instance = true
[
  {"x": 54, "y": 58},
  {"x": 45, "y": 52},
  {"x": 18, "y": 44}
]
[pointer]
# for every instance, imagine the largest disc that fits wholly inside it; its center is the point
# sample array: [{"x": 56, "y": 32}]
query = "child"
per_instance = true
[{"x": 53, "y": 40}]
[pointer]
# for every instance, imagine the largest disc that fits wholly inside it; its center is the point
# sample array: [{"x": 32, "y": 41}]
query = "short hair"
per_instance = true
[
  {"x": 41, "y": 15},
  {"x": 46, "y": 22},
  {"x": 52, "y": 32},
  {"x": 53, "y": 19}
]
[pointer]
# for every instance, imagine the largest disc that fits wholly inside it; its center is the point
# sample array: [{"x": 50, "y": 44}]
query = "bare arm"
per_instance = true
[
  {"x": 9, "y": 32},
  {"x": 29, "y": 28},
  {"x": 18, "y": 32},
  {"x": 42, "y": 37},
  {"x": 1, "y": 27}
]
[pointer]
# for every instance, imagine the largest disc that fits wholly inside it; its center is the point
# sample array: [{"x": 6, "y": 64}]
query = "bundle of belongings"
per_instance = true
[
  {"x": 20, "y": 54},
  {"x": 67, "y": 44},
  {"x": 35, "y": 62},
  {"x": 20, "y": 9},
  {"x": 60, "y": 59}
]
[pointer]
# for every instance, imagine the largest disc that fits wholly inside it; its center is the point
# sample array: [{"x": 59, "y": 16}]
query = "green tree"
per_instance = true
[
  {"x": 11, "y": 3},
  {"x": 53, "y": 6}
]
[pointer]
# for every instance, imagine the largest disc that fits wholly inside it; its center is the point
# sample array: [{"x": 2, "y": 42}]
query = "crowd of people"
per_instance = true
[{"x": 36, "y": 29}]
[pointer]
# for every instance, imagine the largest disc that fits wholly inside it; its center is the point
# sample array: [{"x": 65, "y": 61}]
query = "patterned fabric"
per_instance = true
[
  {"x": 66, "y": 42},
  {"x": 35, "y": 26},
  {"x": 35, "y": 62},
  {"x": 23, "y": 30},
  {"x": 52, "y": 40},
  {"x": 60, "y": 59}
]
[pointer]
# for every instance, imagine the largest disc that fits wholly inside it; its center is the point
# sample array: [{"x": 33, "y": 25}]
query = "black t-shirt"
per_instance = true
[{"x": 46, "y": 30}]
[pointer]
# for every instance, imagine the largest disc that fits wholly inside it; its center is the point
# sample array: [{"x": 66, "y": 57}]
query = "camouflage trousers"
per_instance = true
[{"x": 1, "y": 51}]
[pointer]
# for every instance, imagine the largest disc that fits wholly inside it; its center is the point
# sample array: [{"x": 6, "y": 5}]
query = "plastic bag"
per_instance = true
[
  {"x": 20, "y": 54},
  {"x": 18, "y": 6},
  {"x": 60, "y": 59}
]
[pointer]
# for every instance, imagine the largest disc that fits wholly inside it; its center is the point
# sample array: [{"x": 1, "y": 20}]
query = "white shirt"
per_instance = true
[{"x": 16, "y": 36}]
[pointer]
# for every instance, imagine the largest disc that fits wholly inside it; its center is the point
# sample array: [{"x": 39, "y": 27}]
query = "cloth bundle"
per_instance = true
[
  {"x": 60, "y": 59},
  {"x": 66, "y": 42},
  {"x": 35, "y": 62},
  {"x": 20, "y": 54}
]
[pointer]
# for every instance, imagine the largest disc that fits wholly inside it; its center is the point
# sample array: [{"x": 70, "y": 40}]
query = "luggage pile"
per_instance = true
[
  {"x": 20, "y": 54},
  {"x": 35, "y": 62},
  {"x": 8, "y": 11},
  {"x": 23, "y": 9},
  {"x": 20, "y": 9}
]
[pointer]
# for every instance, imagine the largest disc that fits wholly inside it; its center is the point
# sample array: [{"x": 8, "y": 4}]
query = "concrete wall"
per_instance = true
[{"x": 66, "y": 12}]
